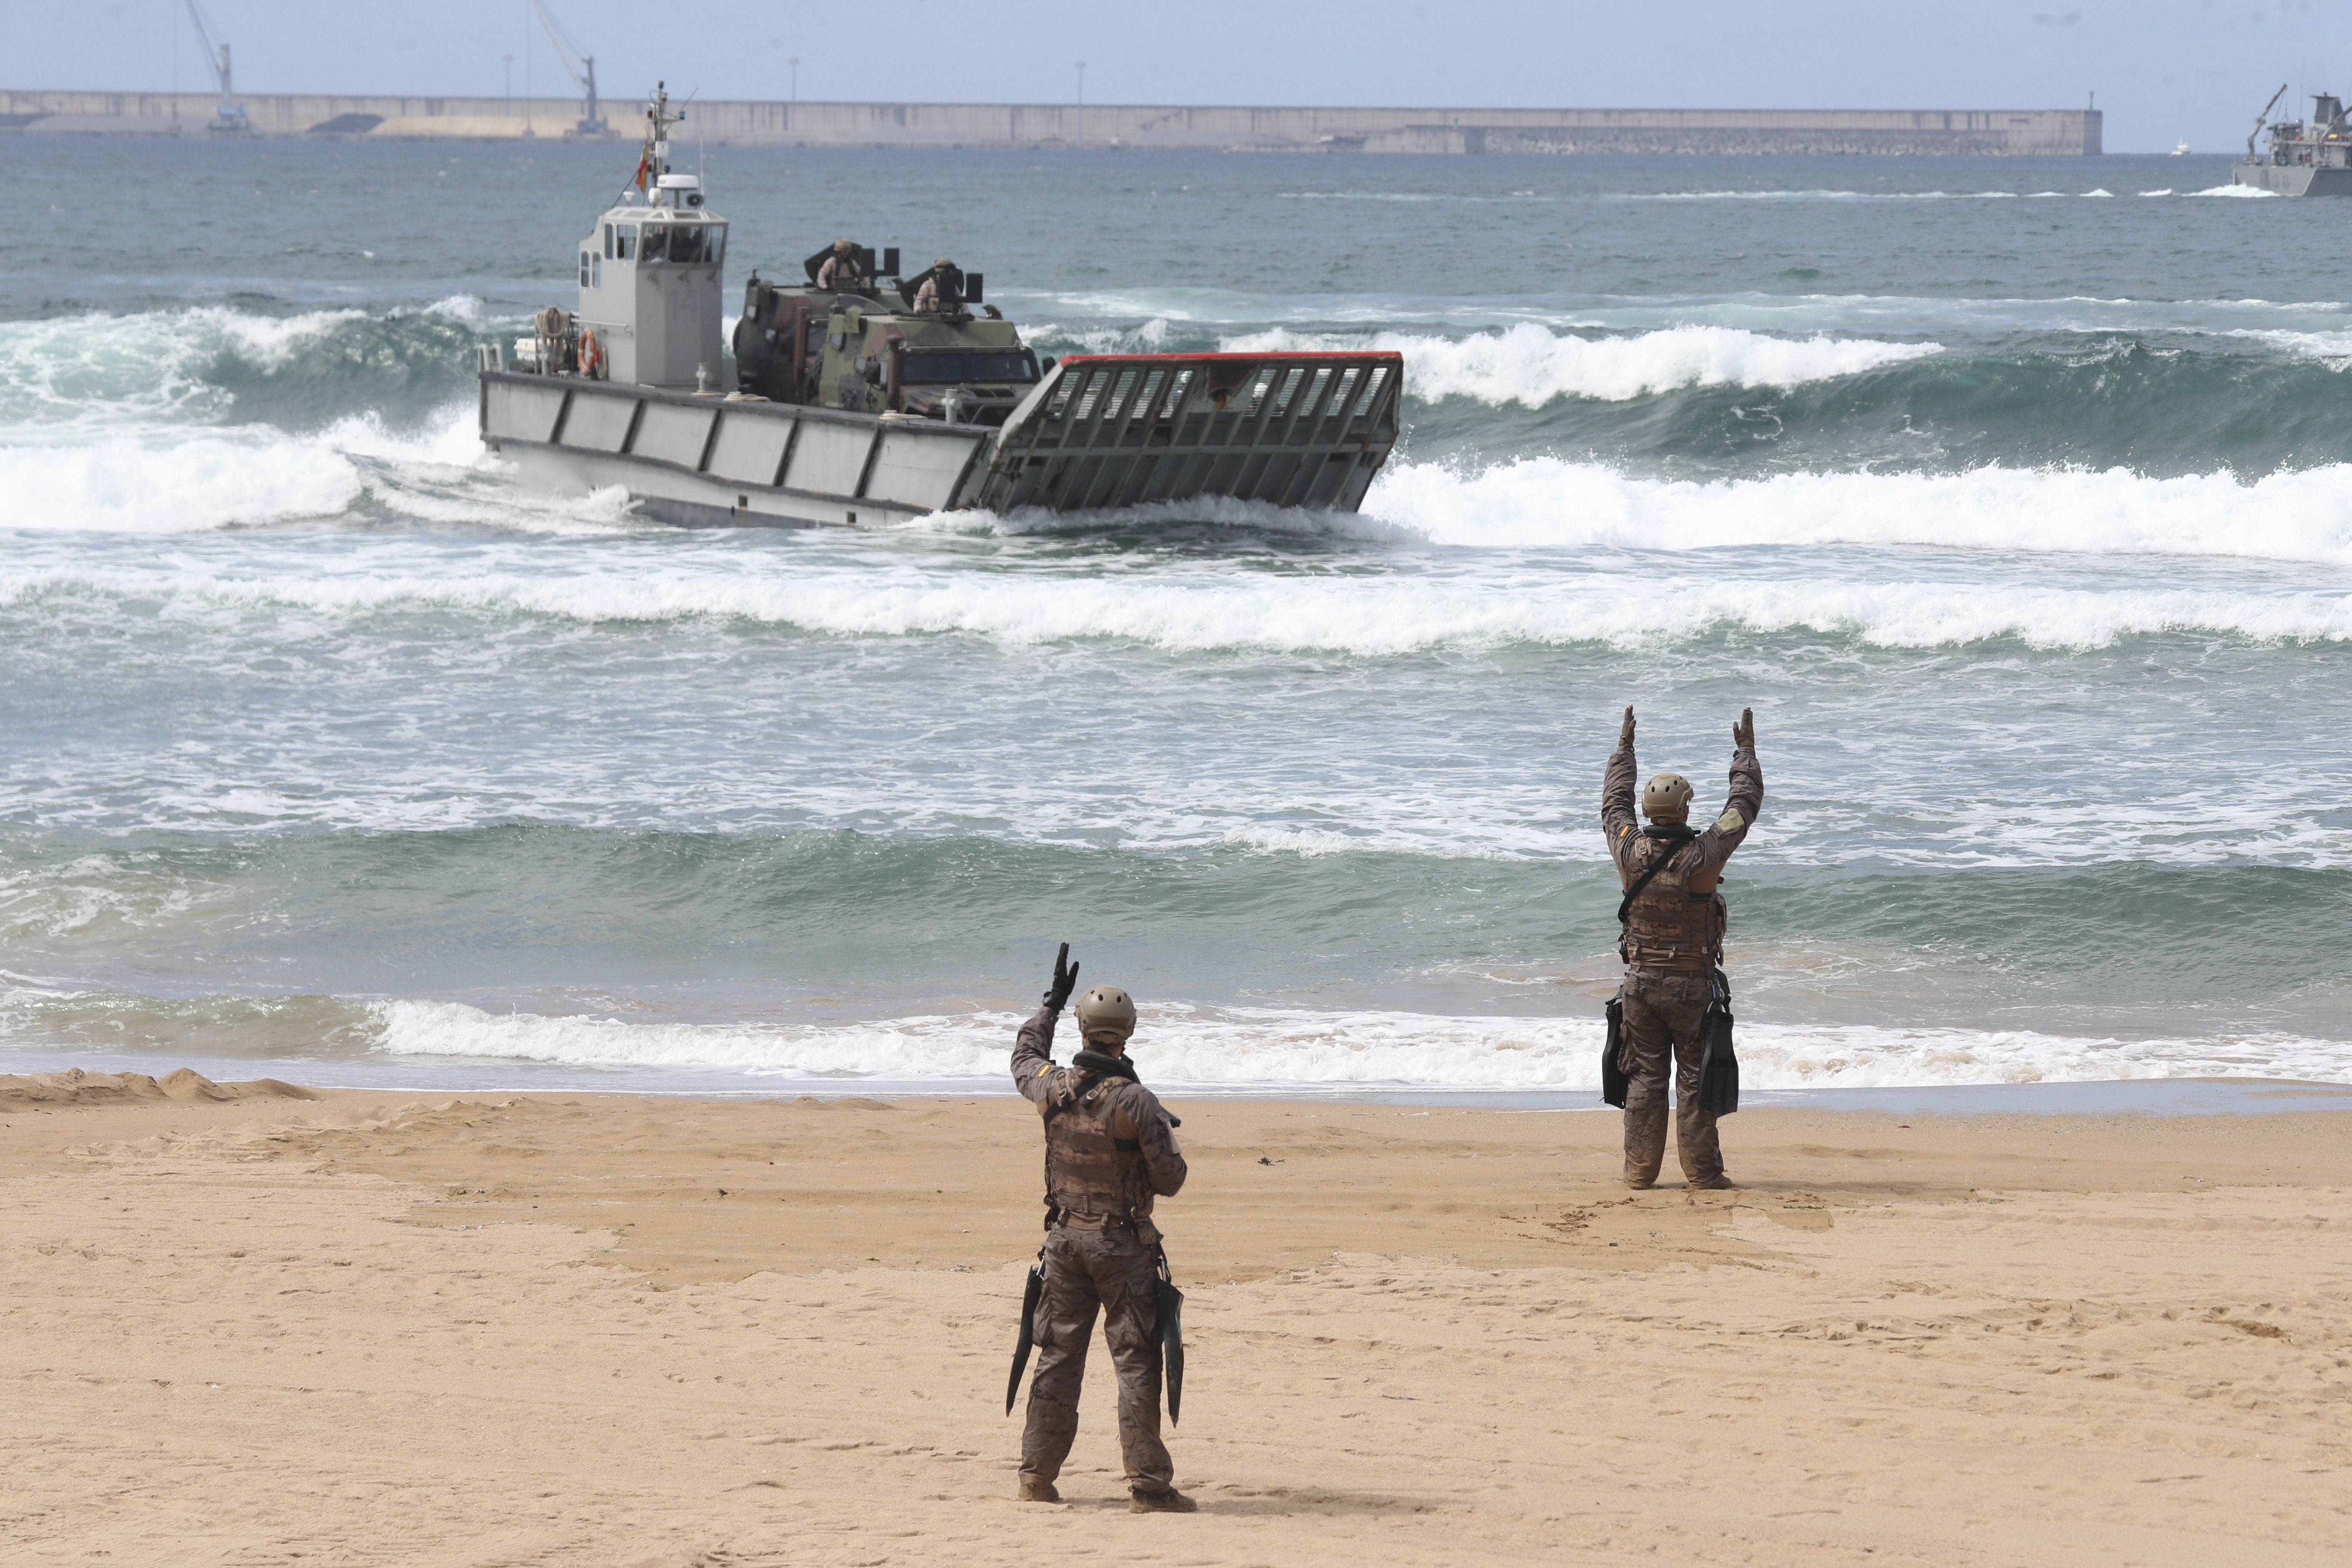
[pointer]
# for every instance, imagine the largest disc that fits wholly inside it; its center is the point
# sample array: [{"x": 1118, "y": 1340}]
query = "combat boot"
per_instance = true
[
  {"x": 1035, "y": 1490},
  {"x": 1169, "y": 1501},
  {"x": 1718, "y": 1182}
]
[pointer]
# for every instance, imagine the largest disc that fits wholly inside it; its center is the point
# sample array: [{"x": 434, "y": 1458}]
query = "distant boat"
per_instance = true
[{"x": 2180, "y": 148}]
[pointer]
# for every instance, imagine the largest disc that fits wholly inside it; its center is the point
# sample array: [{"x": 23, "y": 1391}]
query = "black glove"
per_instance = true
[
  {"x": 1743, "y": 734},
  {"x": 1625, "y": 735},
  {"x": 1066, "y": 980}
]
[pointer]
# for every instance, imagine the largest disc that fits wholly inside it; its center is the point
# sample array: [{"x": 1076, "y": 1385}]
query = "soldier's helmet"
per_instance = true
[
  {"x": 1107, "y": 1010},
  {"x": 1667, "y": 798},
  {"x": 942, "y": 265},
  {"x": 842, "y": 247}
]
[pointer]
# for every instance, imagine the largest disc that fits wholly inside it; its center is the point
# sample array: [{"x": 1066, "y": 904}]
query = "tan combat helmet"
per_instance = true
[
  {"x": 1667, "y": 798},
  {"x": 842, "y": 247},
  {"x": 1107, "y": 1010}
]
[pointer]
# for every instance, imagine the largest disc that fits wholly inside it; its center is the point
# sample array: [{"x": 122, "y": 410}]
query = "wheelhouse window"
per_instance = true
[
  {"x": 583, "y": 268},
  {"x": 655, "y": 247},
  {"x": 625, "y": 240},
  {"x": 698, "y": 243}
]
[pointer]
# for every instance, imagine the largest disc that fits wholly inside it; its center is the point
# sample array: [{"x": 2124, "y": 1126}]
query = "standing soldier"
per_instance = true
[
  {"x": 1110, "y": 1147},
  {"x": 1672, "y": 944},
  {"x": 841, "y": 272}
]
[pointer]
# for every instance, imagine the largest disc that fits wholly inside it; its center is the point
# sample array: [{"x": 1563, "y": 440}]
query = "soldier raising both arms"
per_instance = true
[
  {"x": 1673, "y": 947},
  {"x": 1111, "y": 1149}
]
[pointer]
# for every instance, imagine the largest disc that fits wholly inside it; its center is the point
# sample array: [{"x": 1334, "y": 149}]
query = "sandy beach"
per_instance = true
[{"x": 358, "y": 1327}]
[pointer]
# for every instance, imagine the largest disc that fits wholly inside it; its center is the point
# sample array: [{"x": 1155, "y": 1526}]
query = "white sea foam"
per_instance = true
[
  {"x": 2247, "y": 191},
  {"x": 1264, "y": 1049},
  {"x": 149, "y": 486},
  {"x": 1372, "y": 615},
  {"x": 1529, "y": 366},
  {"x": 2303, "y": 515}
]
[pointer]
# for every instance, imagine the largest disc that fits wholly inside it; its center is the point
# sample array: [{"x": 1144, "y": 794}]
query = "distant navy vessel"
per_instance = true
[{"x": 2306, "y": 158}]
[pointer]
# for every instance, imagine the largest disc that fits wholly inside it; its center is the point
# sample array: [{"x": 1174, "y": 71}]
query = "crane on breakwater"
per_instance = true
[
  {"x": 583, "y": 68},
  {"x": 230, "y": 116}
]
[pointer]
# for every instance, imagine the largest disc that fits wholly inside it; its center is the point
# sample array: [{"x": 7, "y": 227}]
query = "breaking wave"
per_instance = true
[
  {"x": 1271, "y": 1050},
  {"x": 213, "y": 364},
  {"x": 1546, "y": 501},
  {"x": 1529, "y": 366}
]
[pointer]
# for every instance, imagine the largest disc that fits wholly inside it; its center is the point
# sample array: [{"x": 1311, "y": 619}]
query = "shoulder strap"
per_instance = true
[
  {"x": 1077, "y": 1092},
  {"x": 1625, "y": 905}
]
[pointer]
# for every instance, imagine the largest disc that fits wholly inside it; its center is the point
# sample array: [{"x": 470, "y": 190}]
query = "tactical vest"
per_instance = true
[
  {"x": 1091, "y": 1174},
  {"x": 1677, "y": 922}
]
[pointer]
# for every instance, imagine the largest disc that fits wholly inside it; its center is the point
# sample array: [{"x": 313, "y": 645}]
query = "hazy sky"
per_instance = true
[{"x": 2163, "y": 69}]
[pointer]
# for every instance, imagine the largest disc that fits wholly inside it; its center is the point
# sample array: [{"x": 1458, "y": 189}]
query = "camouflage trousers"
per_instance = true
[
  {"x": 1109, "y": 1271},
  {"x": 1663, "y": 1010}
]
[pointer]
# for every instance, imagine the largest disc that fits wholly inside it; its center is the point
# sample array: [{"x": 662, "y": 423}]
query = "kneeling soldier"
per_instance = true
[{"x": 1110, "y": 1147}]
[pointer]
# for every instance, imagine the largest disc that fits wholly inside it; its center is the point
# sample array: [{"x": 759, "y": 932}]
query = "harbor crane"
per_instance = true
[
  {"x": 230, "y": 116},
  {"x": 581, "y": 67}
]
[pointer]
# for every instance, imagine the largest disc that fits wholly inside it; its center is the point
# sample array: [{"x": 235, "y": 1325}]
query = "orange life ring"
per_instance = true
[{"x": 591, "y": 354}]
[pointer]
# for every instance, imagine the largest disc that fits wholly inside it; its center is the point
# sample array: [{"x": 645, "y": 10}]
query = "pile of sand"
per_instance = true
[{"x": 22, "y": 1091}]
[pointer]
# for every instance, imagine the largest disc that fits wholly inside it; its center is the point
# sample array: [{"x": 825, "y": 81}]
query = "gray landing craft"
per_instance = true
[
  {"x": 2306, "y": 158},
  {"x": 848, "y": 405}
]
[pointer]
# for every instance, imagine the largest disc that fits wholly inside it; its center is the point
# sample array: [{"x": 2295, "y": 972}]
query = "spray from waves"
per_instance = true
[
  {"x": 1527, "y": 364},
  {"x": 183, "y": 482},
  {"x": 1262, "y": 1050},
  {"x": 2245, "y": 191},
  {"x": 215, "y": 363}
]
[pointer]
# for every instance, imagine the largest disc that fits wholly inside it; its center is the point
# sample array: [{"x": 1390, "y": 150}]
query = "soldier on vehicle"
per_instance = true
[
  {"x": 840, "y": 273},
  {"x": 1675, "y": 921},
  {"x": 1111, "y": 1149},
  {"x": 942, "y": 290}
]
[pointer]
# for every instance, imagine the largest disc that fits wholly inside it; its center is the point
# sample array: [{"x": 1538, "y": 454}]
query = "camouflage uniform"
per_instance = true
[
  {"x": 929, "y": 298},
  {"x": 841, "y": 274},
  {"x": 1109, "y": 1152},
  {"x": 1674, "y": 943}
]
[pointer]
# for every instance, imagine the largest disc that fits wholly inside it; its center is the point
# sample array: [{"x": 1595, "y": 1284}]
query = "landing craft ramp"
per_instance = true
[{"x": 1117, "y": 430}]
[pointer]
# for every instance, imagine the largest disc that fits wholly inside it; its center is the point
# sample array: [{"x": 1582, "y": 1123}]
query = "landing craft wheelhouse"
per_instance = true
[{"x": 848, "y": 405}]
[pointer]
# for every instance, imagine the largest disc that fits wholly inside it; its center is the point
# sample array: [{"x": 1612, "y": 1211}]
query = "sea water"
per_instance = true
[{"x": 2014, "y": 496}]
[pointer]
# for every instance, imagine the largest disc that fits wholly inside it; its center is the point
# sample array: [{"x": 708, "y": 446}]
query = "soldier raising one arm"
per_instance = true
[
  {"x": 1110, "y": 1150},
  {"x": 1673, "y": 947}
]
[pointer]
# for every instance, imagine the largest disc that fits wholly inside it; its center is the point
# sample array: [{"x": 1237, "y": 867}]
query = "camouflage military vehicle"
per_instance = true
[
  {"x": 848, "y": 403},
  {"x": 867, "y": 350}
]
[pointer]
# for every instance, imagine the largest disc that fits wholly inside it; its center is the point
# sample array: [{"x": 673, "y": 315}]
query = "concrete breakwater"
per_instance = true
[{"x": 1882, "y": 132}]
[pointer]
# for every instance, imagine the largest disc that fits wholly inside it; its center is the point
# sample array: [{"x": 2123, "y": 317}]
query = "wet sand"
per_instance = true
[{"x": 587, "y": 1330}]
